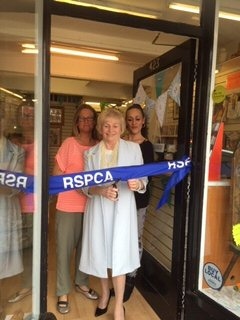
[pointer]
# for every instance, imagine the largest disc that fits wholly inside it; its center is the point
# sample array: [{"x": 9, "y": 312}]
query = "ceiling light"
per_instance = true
[
  {"x": 228, "y": 15},
  {"x": 183, "y": 7},
  {"x": 30, "y": 51},
  {"x": 72, "y": 52},
  {"x": 83, "y": 54},
  {"x": 86, "y": 4},
  {"x": 95, "y": 105},
  {"x": 28, "y": 45},
  {"x": 11, "y": 93},
  {"x": 195, "y": 9}
]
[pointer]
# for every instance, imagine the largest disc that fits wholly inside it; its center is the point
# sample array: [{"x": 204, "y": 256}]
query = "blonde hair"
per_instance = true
[{"x": 110, "y": 113}]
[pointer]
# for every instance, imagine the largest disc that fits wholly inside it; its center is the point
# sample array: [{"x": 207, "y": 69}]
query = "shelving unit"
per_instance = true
[
  {"x": 229, "y": 111},
  {"x": 167, "y": 145}
]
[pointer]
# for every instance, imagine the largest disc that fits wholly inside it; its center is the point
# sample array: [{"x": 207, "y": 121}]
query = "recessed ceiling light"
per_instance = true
[
  {"x": 195, "y": 9},
  {"x": 107, "y": 8},
  {"x": 31, "y": 49}
]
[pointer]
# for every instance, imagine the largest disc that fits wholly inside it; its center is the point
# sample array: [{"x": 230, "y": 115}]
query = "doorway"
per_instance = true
[
  {"x": 83, "y": 13},
  {"x": 182, "y": 57}
]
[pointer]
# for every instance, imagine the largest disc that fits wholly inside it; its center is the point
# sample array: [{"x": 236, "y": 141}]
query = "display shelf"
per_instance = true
[{"x": 229, "y": 65}]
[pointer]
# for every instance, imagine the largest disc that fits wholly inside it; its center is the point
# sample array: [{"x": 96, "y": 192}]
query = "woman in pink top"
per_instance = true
[
  {"x": 25, "y": 116},
  {"x": 71, "y": 205}
]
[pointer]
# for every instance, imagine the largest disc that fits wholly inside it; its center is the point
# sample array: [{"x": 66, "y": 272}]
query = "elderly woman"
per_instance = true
[
  {"x": 110, "y": 235},
  {"x": 11, "y": 159}
]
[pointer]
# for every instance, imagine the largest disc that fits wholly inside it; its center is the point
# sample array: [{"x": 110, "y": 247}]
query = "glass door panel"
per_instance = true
[
  {"x": 17, "y": 109},
  {"x": 162, "y": 128},
  {"x": 168, "y": 82}
]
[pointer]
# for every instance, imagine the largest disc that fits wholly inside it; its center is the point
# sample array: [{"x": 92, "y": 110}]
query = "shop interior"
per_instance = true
[{"x": 103, "y": 83}]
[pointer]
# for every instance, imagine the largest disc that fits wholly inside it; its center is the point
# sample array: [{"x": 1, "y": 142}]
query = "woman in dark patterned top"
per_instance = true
[{"x": 135, "y": 123}]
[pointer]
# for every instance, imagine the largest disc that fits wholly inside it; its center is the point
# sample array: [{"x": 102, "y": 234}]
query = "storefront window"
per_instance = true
[
  {"x": 220, "y": 251},
  {"x": 17, "y": 139}
]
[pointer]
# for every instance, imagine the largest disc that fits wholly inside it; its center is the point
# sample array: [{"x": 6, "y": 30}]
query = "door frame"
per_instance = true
[
  {"x": 198, "y": 305},
  {"x": 51, "y": 7},
  {"x": 167, "y": 303}
]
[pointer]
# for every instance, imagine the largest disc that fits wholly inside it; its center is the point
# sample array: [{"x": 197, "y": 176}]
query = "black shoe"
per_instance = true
[
  {"x": 99, "y": 311},
  {"x": 129, "y": 286}
]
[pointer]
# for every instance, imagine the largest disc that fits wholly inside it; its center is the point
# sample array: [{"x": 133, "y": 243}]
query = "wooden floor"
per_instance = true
[{"x": 81, "y": 308}]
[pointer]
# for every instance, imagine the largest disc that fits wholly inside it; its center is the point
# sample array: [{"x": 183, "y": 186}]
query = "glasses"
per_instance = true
[{"x": 87, "y": 119}]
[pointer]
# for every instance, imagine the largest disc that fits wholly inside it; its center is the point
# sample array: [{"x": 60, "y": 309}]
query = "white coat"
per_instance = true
[
  {"x": 123, "y": 247},
  {"x": 12, "y": 159}
]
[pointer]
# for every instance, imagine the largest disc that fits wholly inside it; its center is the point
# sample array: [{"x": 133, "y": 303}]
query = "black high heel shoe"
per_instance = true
[{"x": 100, "y": 311}]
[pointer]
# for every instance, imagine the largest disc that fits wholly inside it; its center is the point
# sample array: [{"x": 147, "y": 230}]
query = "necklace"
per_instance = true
[{"x": 109, "y": 157}]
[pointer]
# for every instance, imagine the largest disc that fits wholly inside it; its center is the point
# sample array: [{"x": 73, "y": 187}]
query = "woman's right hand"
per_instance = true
[{"x": 110, "y": 192}]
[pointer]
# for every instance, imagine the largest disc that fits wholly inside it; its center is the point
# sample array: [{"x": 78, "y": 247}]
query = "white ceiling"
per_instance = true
[{"x": 82, "y": 76}]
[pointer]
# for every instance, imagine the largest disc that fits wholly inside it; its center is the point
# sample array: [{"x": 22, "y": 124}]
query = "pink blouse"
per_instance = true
[{"x": 70, "y": 158}]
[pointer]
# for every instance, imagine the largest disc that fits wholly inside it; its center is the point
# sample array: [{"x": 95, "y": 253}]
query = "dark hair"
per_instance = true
[
  {"x": 137, "y": 107},
  {"x": 76, "y": 120}
]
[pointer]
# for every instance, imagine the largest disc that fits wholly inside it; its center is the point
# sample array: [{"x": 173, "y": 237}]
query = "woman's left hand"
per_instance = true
[{"x": 135, "y": 184}]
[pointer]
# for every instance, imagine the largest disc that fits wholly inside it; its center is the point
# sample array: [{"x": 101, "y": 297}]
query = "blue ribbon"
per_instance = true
[{"x": 62, "y": 183}]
